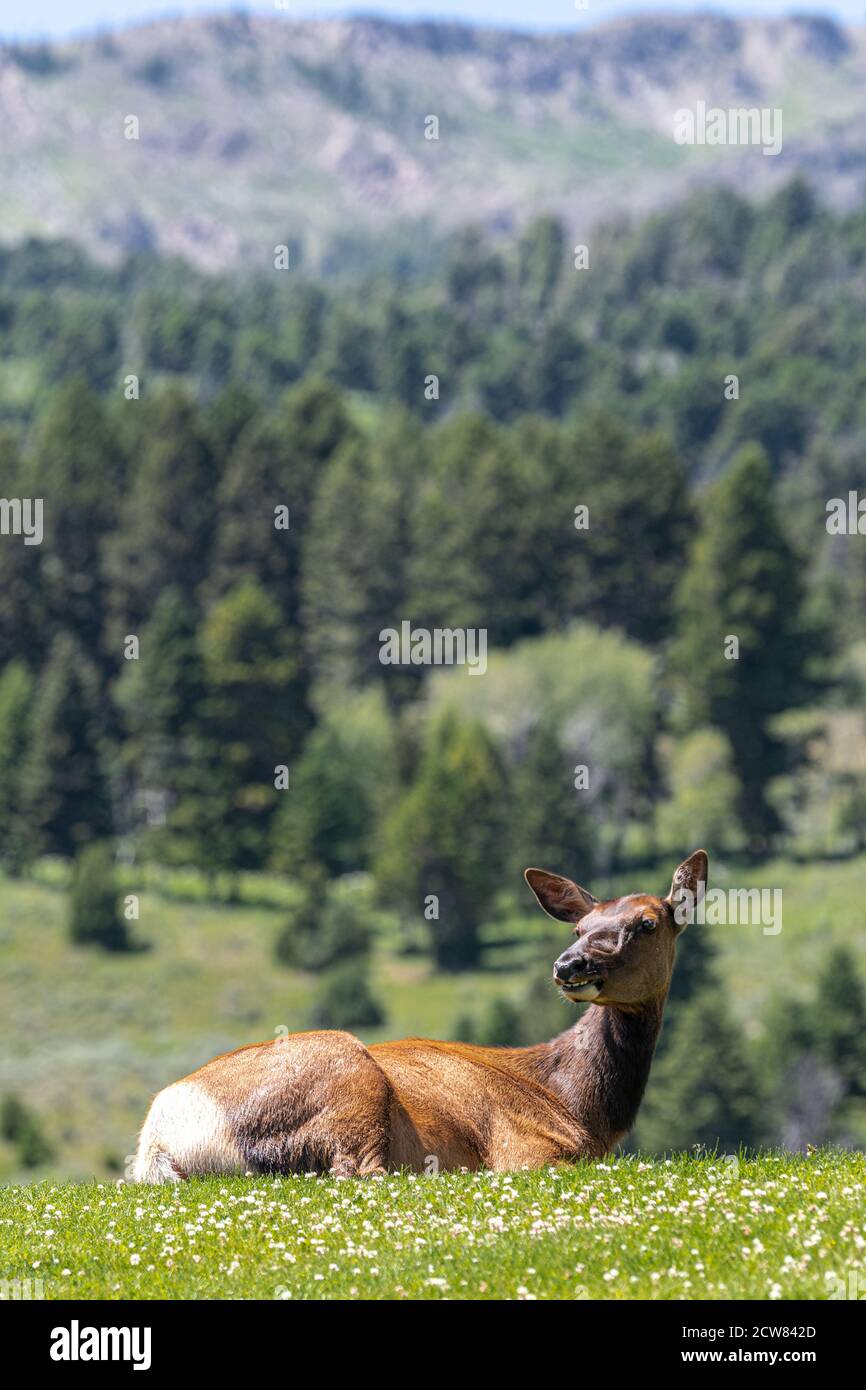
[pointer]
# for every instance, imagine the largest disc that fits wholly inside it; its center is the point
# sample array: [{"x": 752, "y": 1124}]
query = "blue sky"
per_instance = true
[{"x": 58, "y": 18}]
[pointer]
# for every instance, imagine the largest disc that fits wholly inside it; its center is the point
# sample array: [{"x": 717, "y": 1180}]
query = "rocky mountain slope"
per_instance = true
[{"x": 259, "y": 131}]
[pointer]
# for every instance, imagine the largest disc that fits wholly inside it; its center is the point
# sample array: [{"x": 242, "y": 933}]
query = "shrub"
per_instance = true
[
  {"x": 332, "y": 922},
  {"x": 345, "y": 999},
  {"x": 21, "y": 1127},
  {"x": 502, "y": 1025},
  {"x": 94, "y": 919}
]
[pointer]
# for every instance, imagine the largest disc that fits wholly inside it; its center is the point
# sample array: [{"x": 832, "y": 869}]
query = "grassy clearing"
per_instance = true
[
  {"x": 87, "y": 1038},
  {"x": 777, "y": 1226}
]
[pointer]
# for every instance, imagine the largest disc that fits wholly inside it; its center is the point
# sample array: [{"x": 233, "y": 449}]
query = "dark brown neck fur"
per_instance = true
[{"x": 599, "y": 1068}]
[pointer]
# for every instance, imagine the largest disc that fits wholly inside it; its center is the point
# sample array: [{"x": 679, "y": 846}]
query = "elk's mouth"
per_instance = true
[{"x": 582, "y": 991}]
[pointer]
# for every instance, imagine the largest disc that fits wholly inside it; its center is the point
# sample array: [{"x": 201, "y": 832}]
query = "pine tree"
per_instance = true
[
  {"x": 77, "y": 468},
  {"x": 743, "y": 581},
  {"x": 703, "y": 1089},
  {"x": 65, "y": 791},
  {"x": 327, "y": 816},
  {"x": 24, "y": 623},
  {"x": 16, "y": 696},
  {"x": 166, "y": 528},
  {"x": 228, "y": 416},
  {"x": 838, "y": 1020},
  {"x": 815, "y": 1054},
  {"x": 354, "y": 558},
  {"x": 468, "y": 565},
  {"x": 449, "y": 838},
  {"x": 639, "y": 514},
  {"x": 161, "y": 700},
  {"x": 693, "y": 971},
  {"x": 551, "y": 827},
  {"x": 265, "y": 501},
  {"x": 253, "y": 539},
  {"x": 160, "y": 694},
  {"x": 541, "y": 261},
  {"x": 251, "y": 723}
]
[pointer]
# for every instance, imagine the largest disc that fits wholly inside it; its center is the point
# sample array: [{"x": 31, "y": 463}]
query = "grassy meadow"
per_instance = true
[
  {"x": 778, "y": 1227},
  {"x": 88, "y": 1037}
]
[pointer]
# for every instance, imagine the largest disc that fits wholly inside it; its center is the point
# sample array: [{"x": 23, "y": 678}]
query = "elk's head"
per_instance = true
[{"x": 624, "y": 952}]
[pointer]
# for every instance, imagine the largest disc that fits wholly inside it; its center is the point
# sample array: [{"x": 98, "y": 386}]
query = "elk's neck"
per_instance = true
[{"x": 599, "y": 1068}]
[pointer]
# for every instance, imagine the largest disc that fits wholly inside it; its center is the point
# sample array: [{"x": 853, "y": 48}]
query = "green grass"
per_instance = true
[{"x": 777, "y": 1226}]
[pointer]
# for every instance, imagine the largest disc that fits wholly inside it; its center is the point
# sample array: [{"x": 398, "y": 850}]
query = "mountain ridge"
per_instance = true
[{"x": 258, "y": 130}]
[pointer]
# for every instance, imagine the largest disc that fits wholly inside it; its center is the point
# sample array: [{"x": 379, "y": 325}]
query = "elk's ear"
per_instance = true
[
  {"x": 688, "y": 886},
  {"x": 559, "y": 897}
]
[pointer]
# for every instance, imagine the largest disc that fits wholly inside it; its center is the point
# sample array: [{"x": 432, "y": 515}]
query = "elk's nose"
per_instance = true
[{"x": 570, "y": 968}]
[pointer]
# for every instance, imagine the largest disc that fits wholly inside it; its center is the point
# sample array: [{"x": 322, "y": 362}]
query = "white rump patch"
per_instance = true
[{"x": 185, "y": 1135}]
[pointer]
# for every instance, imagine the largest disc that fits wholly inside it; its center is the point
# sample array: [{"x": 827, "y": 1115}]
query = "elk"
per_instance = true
[{"x": 323, "y": 1102}]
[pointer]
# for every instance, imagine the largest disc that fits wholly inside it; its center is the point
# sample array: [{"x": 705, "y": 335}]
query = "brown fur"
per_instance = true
[{"x": 322, "y": 1101}]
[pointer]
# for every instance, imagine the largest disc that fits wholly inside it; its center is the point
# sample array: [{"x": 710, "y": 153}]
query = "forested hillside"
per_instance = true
[
  {"x": 607, "y": 469},
  {"x": 643, "y": 321}
]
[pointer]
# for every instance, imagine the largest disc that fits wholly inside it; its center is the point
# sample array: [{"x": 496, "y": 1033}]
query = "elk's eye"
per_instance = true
[{"x": 648, "y": 923}]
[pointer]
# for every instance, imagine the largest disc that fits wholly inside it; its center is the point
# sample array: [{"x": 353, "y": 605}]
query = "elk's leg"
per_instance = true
[
  {"x": 313, "y": 1102},
  {"x": 347, "y": 1166}
]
